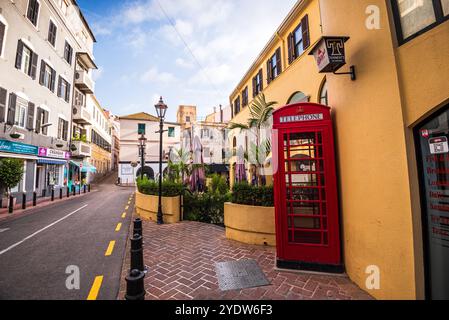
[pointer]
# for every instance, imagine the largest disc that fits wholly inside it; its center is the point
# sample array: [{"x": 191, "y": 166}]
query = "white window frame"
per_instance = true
[
  {"x": 57, "y": 29},
  {"x": 21, "y": 112},
  {"x": 38, "y": 14},
  {"x": 23, "y": 64},
  {"x": 3, "y": 20}
]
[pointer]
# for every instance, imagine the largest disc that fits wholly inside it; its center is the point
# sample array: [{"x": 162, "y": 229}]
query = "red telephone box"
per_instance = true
[{"x": 306, "y": 198}]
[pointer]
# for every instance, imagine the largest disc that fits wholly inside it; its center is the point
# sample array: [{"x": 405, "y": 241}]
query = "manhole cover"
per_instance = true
[{"x": 243, "y": 274}]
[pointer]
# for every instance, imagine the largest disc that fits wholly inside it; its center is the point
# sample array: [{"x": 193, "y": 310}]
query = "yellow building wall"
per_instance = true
[
  {"x": 373, "y": 173},
  {"x": 101, "y": 158}
]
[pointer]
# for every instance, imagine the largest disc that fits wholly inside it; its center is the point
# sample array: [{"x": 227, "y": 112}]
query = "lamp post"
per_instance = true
[
  {"x": 142, "y": 145},
  {"x": 161, "y": 109}
]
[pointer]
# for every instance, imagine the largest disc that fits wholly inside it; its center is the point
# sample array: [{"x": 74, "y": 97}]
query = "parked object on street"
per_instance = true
[{"x": 135, "y": 289}]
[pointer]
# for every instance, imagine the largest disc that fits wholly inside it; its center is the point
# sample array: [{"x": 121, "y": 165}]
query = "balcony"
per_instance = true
[
  {"x": 81, "y": 115},
  {"x": 83, "y": 149},
  {"x": 83, "y": 82}
]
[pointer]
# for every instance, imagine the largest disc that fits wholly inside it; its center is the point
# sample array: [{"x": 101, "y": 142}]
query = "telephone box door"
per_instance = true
[{"x": 307, "y": 219}]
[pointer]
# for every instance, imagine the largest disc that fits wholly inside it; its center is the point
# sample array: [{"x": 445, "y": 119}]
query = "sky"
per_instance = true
[{"x": 191, "y": 52}]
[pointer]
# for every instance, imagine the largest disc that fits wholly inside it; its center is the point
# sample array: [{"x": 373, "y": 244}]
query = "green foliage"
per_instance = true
[
  {"x": 11, "y": 173},
  {"x": 82, "y": 138},
  {"x": 218, "y": 184},
  {"x": 151, "y": 188},
  {"x": 205, "y": 207},
  {"x": 259, "y": 196}
]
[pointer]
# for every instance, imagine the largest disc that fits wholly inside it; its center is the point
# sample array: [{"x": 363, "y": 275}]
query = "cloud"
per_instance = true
[
  {"x": 186, "y": 64},
  {"x": 153, "y": 75}
]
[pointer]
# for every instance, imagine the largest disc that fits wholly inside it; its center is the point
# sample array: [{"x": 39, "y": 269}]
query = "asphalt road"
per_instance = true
[{"x": 41, "y": 252}]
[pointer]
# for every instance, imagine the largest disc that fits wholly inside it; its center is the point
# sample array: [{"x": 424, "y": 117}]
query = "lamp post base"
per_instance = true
[{"x": 160, "y": 220}]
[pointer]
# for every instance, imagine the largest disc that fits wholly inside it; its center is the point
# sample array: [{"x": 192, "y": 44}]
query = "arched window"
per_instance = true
[
  {"x": 298, "y": 97},
  {"x": 323, "y": 98}
]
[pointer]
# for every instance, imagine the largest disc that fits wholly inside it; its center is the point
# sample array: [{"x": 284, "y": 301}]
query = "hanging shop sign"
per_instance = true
[
  {"x": 52, "y": 153},
  {"x": 17, "y": 147}
]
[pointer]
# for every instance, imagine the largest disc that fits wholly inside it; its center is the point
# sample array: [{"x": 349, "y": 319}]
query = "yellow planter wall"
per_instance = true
[
  {"x": 251, "y": 225},
  {"x": 146, "y": 208}
]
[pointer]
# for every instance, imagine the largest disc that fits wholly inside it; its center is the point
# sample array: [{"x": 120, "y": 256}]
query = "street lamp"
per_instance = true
[
  {"x": 142, "y": 146},
  {"x": 161, "y": 109}
]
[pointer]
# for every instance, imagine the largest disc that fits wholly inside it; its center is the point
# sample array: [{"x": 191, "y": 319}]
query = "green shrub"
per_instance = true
[
  {"x": 11, "y": 173},
  {"x": 205, "y": 207},
  {"x": 218, "y": 184},
  {"x": 151, "y": 188},
  {"x": 246, "y": 194}
]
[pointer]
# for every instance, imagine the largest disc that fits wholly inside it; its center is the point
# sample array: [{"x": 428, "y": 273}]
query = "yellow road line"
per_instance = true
[
  {"x": 124, "y": 215},
  {"x": 93, "y": 294},
  {"x": 110, "y": 248},
  {"x": 119, "y": 226}
]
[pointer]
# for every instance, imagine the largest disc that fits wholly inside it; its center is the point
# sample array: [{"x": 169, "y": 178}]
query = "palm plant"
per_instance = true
[
  {"x": 181, "y": 160},
  {"x": 260, "y": 114}
]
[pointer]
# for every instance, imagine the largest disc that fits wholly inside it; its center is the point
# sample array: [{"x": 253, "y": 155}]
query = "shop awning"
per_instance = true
[
  {"x": 86, "y": 167},
  {"x": 51, "y": 161}
]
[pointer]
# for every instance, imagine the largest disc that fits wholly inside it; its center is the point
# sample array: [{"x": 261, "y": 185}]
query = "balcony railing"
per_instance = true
[
  {"x": 81, "y": 115},
  {"x": 84, "y": 82},
  {"x": 83, "y": 149}
]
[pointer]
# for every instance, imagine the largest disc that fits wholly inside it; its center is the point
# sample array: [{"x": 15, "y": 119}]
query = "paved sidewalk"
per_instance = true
[{"x": 182, "y": 257}]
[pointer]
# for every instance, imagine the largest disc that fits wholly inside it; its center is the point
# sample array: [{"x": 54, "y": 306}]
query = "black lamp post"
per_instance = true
[
  {"x": 161, "y": 109},
  {"x": 142, "y": 146}
]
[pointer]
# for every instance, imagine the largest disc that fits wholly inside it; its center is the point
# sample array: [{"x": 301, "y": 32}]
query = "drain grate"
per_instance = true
[{"x": 243, "y": 274}]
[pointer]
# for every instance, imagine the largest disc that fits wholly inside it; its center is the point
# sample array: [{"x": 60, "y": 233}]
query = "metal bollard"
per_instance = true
[
  {"x": 138, "y": 227},
  {"x": 135, "y": 288},
  {"x": 24, "y": 201},
  {"x": 52, "y": 194},
  {"x": 85, "y": 189},
  {"x": 68, "y": 192},
  {"x": 34, "y": 198},
  {"x": 88, "y": 188},
  {"x": 11, "y": 204},
  {"x": 60, "y": 194},
  {"x": 74, "y": 190},
  {"x": 137, "y": 253},
  {"x": 79, "y": 190},
  {"x": 44, "y": 193}
]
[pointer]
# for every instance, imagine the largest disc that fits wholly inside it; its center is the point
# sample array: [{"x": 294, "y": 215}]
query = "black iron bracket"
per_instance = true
[{"x": 351, "y": 72}]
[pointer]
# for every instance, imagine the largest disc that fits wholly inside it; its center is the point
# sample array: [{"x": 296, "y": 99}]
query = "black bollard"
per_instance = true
[
  {"x": 137, "y": 253},
  {"x": 11, "y": 204},
  {"x": 44, "y": 193},
  {"x": 34, "y": 198},
  {"x": 88, "y": 188},
  {"x": 24, "y": 201},
  {"x": 52, "y": 194},
  {"x": 60, "y": 194},
  {"x": 68, "y": 192},
  {"x": 138, "y": 227},
  {"x": 79, "y": 190},
  {"x": 85, "y": 188},
  {"x": 135, "y": 288},
  {"x": 74, "y": 190}
]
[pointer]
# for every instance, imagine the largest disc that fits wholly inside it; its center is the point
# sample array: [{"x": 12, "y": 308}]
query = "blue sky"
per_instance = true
[{"x": 189, "y": 51}]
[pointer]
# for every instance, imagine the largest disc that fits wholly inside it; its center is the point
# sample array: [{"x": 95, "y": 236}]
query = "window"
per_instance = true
[
  {"x": 26, "y": 60},
  {"x": 298, "y": 97},
  {"x": 413, "y": 17},
  {"x": 323, "y": 94},
  {"x": 63, "y": 127},
  {"x": 188, "y": 119},
  {"x": 21, "y": 112},
  {"x": 33, "y": 11},
  {"x": 79, "y": 98},
  {"x": 68, "y": 52},
  {"x": 171, "y": 132},
  {"x": 141, "y": 128},
  {"x": 204, "y": 133},
  {"x": 274, "y": 66},
  {"x": 258, "y": 83},
  {"x": 52, "y": 29},
  {"x": 64, "y": 89},
  {"x": 299, "y": 40},
  {"x": 245, "y": 97},
  {"x": 2, "y": 36},
  {"x": 3, "y": 97},
  {"x": 237, "y": 106},
  {"x": 41, "y": 119},
  {"x": 47, "y": 76}
]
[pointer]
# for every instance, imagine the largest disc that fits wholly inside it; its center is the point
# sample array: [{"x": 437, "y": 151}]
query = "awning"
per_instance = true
[
  {"x": 17, "y": 156},
  {"x": 51, "y": 161},
  {"x": 85, "y": 166}
]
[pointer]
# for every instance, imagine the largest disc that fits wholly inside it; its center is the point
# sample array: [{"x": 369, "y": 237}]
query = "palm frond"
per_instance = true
[{"x": 240, "y": 126}]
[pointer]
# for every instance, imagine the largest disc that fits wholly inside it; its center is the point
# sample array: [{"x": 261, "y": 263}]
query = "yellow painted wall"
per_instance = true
[
  {"x": 147, "y": 207},
  {"x": 101, "y": 158}
]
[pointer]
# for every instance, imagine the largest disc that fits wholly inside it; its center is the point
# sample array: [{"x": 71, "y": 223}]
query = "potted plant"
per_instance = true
[
  {"x": 15, "y": 135},
  {"x": 11, "y": 173}
]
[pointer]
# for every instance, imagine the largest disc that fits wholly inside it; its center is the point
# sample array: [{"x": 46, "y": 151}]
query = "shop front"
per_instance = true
[
  {"x": 51, "y": 170},
  {"x": 80, "y": 174}
]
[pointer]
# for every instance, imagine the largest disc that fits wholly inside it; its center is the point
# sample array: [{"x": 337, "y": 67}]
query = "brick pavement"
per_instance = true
[{"x": 181, "y": 259}]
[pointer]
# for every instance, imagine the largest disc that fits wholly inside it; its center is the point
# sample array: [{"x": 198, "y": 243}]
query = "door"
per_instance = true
[{"x": 309, "y": 218}]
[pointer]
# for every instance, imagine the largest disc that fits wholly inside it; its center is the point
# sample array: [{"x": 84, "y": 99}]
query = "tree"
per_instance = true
[
  {"x": 180, "y": 162},
  {"x": 260, "y": 115},
  {"x": 11, "y": 173}
]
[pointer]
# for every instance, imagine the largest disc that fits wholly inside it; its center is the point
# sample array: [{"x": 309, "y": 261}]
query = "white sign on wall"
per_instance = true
[
  {"x": 439, "y": 145},
  {"x": 127, "y": 171}
]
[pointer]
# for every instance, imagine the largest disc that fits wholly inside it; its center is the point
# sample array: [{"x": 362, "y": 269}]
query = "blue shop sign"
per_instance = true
[{"x": 17, "y": 147}]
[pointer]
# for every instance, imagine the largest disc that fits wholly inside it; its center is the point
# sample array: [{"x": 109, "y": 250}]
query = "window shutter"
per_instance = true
[
  {"x": 290, "y": 48},
  {"x": 254, "y": 86},
  {"x": 19, "y": 54},
  {"x": 305, "y": 32},
  {"x": 261, "y": 79},
  {"x": 45, "y": 130},
  {"x": 53, "y": 80},
  {"x": 59, "y": 86},
  {"x": 33, "y": 70},
  {"x": 279, "y": 60},
  {"x": 42, "y": 73},
  {"x": 2, "y": 36},
  {"x": 30, "y": 116},
  {"x": 67, "y": 92},
  {"x": 30, "y": 11},
  {"x": 36, "y": 11},
  {"x": 12, "y": 109},
  {"x": 3, "y": 95},
  {"x": 65, "y": 130},
  {"x": 38, "y": 120},
  {"x": 269, "y": 74}
]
